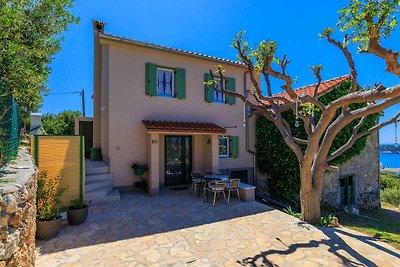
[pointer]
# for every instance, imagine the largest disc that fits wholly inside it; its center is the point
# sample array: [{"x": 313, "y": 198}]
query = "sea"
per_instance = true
[{"x": 390, "y": 160}]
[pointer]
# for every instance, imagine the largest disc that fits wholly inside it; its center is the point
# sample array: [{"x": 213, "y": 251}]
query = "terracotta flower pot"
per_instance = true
[
  {"x": 47, "y": 229},
  {"x": 77, "y": 216}
]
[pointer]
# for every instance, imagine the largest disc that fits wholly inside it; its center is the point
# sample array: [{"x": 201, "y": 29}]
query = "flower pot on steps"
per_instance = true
[{"x": 77, "y": 216}]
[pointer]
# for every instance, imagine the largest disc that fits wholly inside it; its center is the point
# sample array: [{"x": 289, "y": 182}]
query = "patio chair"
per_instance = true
[
  {"x": 232, "y": 185},
  {"x": 216, "y": 188},
  {"x": 197, "y": 182}
]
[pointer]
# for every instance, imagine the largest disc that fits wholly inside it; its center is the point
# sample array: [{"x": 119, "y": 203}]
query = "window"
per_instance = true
[
  {"x": 228, "y": 146},
  {"x": 165, "y": 82},
  {"x": 223, "y": 146},
  {"x": 212, "y": 96},
  {"x": 219, "y": 97}
]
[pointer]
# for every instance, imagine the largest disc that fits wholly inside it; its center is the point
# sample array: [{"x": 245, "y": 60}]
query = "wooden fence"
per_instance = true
[{"x": 65, "y": 155}]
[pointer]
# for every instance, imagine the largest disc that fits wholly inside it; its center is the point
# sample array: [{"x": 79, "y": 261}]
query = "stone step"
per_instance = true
[
  {"x": 98, "y": 177},
  {"x": 100, "y": 196},
  {"x": 93, "y": 186},
  {"x": 96, "y": 167},
  {"x": 98, "y": 170}
]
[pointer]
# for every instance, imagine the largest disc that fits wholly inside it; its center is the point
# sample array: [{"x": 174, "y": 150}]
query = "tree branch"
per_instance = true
[
  {"x": 349, "y": 58},
  {"x": 374, "y": 47}
]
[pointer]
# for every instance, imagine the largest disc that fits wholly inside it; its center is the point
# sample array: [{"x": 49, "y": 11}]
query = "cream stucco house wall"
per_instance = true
[{"x": 128, "y": 78}]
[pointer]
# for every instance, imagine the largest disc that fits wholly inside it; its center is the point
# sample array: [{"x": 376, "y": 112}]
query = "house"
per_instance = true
[{"x": 151, "y": 106}]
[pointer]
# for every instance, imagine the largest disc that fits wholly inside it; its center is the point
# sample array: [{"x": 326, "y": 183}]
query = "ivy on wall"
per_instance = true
[{"x": 277, "y": 160}]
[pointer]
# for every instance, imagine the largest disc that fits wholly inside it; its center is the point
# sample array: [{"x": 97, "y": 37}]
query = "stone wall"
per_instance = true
[
  {"x": 365, "y": 171},
  {"x": 18, "y": 183}
]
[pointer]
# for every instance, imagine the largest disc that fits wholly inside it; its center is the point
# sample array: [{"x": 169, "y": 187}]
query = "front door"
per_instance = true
[{"x": 178, "y": 160}]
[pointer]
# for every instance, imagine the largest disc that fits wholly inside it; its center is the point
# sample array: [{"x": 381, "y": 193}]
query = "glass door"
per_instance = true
[{"x": 178, "y": 160}]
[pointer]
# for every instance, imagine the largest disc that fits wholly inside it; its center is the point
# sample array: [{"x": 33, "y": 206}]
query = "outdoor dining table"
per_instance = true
[{"x": 213, "y": 177}]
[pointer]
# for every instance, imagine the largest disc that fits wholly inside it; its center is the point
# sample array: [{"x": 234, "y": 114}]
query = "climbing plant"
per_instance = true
[{"x": 279, "y": 162}]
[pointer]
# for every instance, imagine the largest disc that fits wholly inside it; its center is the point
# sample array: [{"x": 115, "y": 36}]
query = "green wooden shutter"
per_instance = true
[
  {"x": 180, "y": 83},
  {"x": 151, "y": 79},
  {"x": 342, "y": 182},
  {"x": 231, "y": 86},
  {"x": 234, "y": 146},
  {"x": 208, "y": 96}
]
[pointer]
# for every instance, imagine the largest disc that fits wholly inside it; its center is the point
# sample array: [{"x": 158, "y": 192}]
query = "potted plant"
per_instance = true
[
  {"x": 77, "y": 212},
  {"x": 138, "y": 170},
  {"x": 49, "y": 192}
]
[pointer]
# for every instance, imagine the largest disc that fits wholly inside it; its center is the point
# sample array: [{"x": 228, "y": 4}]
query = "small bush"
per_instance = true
[
  {"x": 389, "y": 180},
  {"x": 391, "y": 195},
  {"x": 326, "y": 220}
]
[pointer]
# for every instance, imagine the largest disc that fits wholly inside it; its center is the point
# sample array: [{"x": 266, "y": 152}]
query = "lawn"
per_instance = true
[{"x": 380, "y": 223}]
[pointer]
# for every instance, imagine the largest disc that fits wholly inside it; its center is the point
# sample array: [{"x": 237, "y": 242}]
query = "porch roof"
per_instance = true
[{"x": 183, "y": 127}]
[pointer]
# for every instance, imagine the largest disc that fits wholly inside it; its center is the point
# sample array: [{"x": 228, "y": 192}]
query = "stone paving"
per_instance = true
[{"x": 178, "y": 229}]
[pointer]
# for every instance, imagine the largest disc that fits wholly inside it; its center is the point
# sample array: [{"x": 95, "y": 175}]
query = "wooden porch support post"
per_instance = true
[
  {"x": 214, "y": 153},
  {"x": 153, "y": 182}
]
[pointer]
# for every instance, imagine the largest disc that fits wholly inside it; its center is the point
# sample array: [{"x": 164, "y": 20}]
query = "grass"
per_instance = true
[{"x": 383, "y": 224}]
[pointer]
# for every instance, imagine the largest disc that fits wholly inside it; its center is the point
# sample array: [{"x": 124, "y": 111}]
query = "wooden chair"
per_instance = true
[
  {"x": 216, "y": 188},
  {"x": 232, "y": 185}
]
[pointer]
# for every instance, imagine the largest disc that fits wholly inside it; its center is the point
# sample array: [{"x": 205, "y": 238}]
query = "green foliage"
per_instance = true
[
  {"x": 291, "y": 212},
  {"x": 48, "y": 196},
  {"x": 390, "y": 188},
  {"x": 30, "y": 36},
  {"x": 391, "y": 195},
  {"x": 78, "y": 203},
  {"x": 360, "y": 16},
  {"x": 389, "y": 180},
  {"x": 60, "y": 124},
  {"x": 326, "y": 220},
  {"x": 279, "y": 162}
]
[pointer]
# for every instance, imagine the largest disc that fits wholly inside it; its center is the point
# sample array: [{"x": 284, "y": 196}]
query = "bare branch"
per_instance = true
[{"x": 349, "y": 59}]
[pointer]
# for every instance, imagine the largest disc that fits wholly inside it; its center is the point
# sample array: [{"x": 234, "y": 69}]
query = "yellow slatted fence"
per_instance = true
[{"x": 63, "y": 154}]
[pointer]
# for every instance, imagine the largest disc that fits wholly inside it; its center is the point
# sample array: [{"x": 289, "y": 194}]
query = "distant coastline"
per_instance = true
[{"x": 389, "y": 149}]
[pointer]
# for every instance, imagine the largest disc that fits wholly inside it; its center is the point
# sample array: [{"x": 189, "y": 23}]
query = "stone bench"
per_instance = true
[{"x": 247, "y": 192}]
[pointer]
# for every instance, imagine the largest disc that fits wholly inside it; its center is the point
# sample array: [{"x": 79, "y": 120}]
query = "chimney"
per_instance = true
[{"x": 98, "y": 25}]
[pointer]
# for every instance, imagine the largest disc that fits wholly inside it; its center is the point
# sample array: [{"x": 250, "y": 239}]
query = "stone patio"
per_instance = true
[{"x": 176, "y": 228}]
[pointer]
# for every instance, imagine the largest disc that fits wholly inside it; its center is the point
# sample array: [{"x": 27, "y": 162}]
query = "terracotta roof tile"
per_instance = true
[
  {"x": 183, "y": 127},
  {"x": 324, "y": 87}
]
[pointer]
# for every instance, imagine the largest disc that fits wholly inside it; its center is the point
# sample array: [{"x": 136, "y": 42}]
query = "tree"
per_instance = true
[
  {"x": 363, "y": 23},
  {"x": 30, "y": 36},
  {"x": 60, "y": 124}
]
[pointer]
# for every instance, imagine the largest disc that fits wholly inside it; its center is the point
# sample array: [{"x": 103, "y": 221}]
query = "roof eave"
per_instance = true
[{"x": 117, "y": 39}]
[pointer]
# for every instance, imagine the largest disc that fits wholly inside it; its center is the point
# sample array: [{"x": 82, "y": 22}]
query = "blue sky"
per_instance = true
[{"x": 208, "y": 27}]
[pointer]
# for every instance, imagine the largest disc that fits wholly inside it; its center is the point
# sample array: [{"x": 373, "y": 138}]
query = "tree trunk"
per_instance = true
[{"x": 310, "y": 198}]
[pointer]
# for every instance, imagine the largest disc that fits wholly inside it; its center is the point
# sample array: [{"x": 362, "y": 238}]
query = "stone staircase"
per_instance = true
[{"x": 98, "y": 184}]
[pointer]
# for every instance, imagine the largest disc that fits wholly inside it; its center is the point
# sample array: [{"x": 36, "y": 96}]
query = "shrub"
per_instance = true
[
  {"x": 48, "y": 196},
  {"x": 389, "y": 180},
  {"x": 391, "y": 195},
  {"x": 77, "y": 203},
  {"x": 326, "y": 220}
]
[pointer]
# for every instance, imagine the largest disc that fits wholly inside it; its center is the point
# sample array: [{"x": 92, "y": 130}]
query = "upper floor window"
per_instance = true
[
  {"x": 219, "y": 97},
  {"x": 165, "y": 82},
  {"x": 213, "y": 96}
]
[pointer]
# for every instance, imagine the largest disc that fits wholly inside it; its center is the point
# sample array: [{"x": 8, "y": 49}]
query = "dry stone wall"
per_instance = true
[{"x": 18, "y": 182}]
